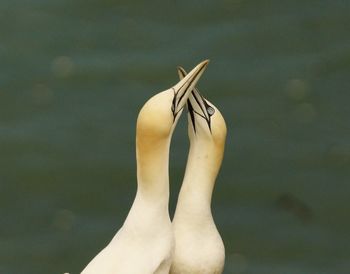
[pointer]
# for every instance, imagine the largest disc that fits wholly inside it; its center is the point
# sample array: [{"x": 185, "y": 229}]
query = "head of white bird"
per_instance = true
[
  {"x": 205, "y": 122},
  {"x": 158, "y": 117}
]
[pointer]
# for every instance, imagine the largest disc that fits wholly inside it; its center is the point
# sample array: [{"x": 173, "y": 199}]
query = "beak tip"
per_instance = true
[{"x": 204, "y": 64}]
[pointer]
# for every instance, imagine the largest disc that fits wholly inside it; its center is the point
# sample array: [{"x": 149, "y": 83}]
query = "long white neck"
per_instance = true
[
  {"x": 150, "y": 206},
  {"x": 153, "y": 171},
  {"x": 202, "y": 168}
]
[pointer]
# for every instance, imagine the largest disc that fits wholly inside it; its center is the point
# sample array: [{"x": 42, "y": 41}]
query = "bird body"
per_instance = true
[
  {"x": 138, "y": 247},
  {"x": 145, "y": 242},
  {"x": 199, "y": 248}
]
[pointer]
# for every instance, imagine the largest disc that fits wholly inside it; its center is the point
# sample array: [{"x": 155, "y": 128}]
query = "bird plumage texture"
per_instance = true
[{"x": 145, "y": 242}]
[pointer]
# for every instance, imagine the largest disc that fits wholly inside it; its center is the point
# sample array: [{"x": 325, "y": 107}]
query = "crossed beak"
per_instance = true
[
  {"x": 182, "y": 89},
  {"x": 196, "y": 104}
]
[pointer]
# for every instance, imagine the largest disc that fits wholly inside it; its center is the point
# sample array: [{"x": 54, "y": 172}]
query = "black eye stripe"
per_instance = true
[
  {"x": 173, "y": 105},
  {"x": 198, "y": 101},
  {"x": 191, "y": 112}
]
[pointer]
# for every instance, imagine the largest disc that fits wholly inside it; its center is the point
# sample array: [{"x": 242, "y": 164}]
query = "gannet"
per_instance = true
[
  {"x": 145, "y": 242},
  {"x": 199, "y": 248}
]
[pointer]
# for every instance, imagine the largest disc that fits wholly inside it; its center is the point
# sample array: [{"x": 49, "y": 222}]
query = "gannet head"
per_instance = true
[
  {"x": 205, "y": 122},
  {"x": 158, "y": 117}
]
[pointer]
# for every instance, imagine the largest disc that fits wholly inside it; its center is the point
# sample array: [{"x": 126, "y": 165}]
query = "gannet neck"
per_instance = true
[
  {"x": 203, "y": 164},
  {"x": 207, "y": 135},
  {"x": 198, "y": 244},
  {"x": 153, "y": 169}
]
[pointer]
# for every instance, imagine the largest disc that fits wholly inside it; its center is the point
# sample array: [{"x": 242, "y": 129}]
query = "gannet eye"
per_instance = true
[{"x": 210, "y": 110}]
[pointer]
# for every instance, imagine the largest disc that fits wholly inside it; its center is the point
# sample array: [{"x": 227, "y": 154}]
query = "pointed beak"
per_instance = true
[
  {"x": 182, "y": 89},
  {"x": 196, "y": 104}
]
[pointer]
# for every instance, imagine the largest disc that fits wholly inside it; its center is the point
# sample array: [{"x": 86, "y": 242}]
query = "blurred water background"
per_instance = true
[{"x": 74, "y": 74}]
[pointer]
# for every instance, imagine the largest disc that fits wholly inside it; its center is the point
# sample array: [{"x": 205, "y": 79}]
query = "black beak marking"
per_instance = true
[
  {"x": 176, "y": 104},
  {"x": 207, "y": 110}
]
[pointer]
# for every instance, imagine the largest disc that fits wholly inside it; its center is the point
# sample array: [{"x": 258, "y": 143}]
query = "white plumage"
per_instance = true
[
  {"x": 145, "y": 242},
  {"x": 199, "y": 248}
]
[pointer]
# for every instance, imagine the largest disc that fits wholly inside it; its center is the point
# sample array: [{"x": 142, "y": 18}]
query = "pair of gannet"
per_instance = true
[{"x": 148, "y": 243}]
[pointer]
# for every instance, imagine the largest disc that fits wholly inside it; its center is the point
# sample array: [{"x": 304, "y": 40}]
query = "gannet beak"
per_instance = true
[
  {"x": 197, "y": 104},
  {"x": 182, "y": 89}
]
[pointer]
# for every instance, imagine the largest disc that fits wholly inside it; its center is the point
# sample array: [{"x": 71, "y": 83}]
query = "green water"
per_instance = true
[{"x": 74, "y": 74}]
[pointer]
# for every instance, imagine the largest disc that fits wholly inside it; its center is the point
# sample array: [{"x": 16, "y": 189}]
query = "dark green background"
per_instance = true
[{"x": 74, "y": 74}]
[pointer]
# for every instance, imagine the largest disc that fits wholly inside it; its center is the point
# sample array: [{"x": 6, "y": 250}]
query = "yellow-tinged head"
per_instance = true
[
  {"x": 159, "y": 115},
  {"x": 205, "y": 121},
  {"x": 158, "y": 118}
]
